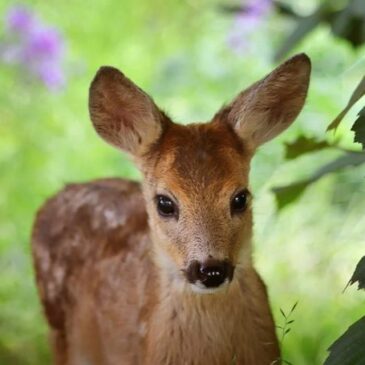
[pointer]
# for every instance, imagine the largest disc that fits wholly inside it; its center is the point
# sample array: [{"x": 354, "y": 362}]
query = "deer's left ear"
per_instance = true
[{"x": 269, "y": 106}]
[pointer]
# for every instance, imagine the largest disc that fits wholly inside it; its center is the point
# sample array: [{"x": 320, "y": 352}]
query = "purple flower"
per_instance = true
[
  {"x": 45, "y": 43},
  {"x": 33, "y": 46},
  {"x": 51, "y": 75},
  {"x": 19, "y": 19},
  {"x": 247, "y": 21}
]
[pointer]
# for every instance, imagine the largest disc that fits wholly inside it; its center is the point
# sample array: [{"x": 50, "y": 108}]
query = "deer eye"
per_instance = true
[
  {"x": 165, "y": 206},
  {"x": 239, "y": 202}
]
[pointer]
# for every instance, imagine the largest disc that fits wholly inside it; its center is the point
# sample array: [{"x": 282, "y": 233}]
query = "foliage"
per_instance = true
[
  {"x": 359, "y": 274},
  {"x": 359, "y": 128},
  {"x": 356, "y": 95},
  {"x": 349, "y": 348},
  {"x": 285, "y": 329},
  {"x": 303, "y": 145},
  {"x": 345, "y": 18},
  {"x": 289, "y": 193}
]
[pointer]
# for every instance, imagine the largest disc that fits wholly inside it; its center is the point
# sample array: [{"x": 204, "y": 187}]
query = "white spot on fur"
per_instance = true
[
  {"x": 59, "y": 273},
  {"x": 113, "y": 219}
]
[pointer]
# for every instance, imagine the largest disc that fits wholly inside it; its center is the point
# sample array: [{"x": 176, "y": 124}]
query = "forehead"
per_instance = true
[{"x": 201, "y": 156}]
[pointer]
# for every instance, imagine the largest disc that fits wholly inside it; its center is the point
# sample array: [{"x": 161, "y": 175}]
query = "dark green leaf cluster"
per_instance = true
[{"x": 349, "y": 349}]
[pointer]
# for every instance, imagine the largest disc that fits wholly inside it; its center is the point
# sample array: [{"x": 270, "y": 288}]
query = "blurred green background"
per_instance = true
[{"x": 179, "y": 51}]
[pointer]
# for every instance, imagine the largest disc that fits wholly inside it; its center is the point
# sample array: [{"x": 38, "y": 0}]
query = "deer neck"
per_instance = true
[{"x": 185, "y": 323}]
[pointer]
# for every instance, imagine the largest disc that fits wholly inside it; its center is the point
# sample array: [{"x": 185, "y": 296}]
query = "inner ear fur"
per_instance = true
[{"x": 122, "y": 113}]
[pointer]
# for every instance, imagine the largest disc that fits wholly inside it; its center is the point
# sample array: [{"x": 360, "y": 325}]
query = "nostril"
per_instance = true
[{"x": 211, "y": 273}]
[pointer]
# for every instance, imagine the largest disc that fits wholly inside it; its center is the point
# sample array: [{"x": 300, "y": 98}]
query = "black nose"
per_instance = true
[{"x": 211, "y": 273}]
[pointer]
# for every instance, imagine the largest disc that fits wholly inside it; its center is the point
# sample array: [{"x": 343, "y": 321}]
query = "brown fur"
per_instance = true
[{"x": 110, "y": 270}]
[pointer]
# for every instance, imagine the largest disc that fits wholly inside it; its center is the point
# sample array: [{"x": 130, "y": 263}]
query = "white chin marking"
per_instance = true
[{"x": 199, "y": 288}]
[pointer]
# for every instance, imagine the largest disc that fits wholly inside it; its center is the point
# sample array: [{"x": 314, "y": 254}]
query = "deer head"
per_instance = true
[{"x": 196, "y": 177}]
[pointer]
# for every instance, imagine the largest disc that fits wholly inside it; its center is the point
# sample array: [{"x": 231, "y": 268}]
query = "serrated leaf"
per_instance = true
[
  {"x": 359, "y": 128},
  {"x": 287, "y": 194},
  {"x": 356, "y": 95},
  {"x": 349, "y": 349},
  {"x": 303, "y": 145},
  {"x": 359, "y": 275}
]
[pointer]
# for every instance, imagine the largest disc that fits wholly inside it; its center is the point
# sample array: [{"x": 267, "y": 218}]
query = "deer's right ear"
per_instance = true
[{"x": 123, "y": 114}]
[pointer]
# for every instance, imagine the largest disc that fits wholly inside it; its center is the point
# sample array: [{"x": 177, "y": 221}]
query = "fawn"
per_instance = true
[{"x": 161, "y": 273}]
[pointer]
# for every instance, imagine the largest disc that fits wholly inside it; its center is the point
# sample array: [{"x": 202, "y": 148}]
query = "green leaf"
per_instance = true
[
  {"x": 356, "y": 95},
  {"x": 303, "y": 145},
  {"x": 349, "y": 349},
  {"x": 289, "y": 193},
  {"x": 359, "y": 274},
  {"x": 293, "y": 307},
  {"x": 359, "y": 128}
]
